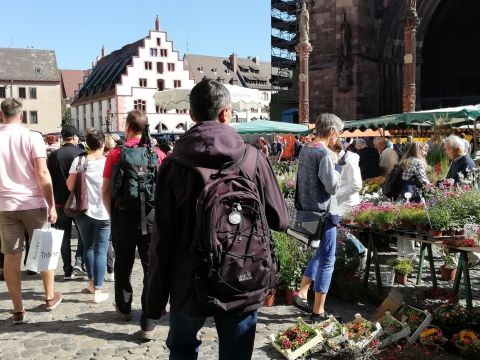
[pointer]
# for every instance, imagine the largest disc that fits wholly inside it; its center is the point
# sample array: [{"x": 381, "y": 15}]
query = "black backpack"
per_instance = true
[
  {"x": 235, "y": 266},
  {"x": 133, "y": 180},
  {"x": 393, "y": 185}
]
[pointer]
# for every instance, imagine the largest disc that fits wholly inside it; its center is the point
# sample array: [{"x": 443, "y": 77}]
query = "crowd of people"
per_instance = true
[{"x": 157, "y": 215}]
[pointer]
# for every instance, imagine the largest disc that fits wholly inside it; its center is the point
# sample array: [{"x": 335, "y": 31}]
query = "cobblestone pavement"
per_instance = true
[{"x": 79, "y": 329}]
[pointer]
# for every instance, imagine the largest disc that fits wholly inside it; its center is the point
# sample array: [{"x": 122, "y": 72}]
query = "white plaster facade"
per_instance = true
[{"x": 138, "y": 85}]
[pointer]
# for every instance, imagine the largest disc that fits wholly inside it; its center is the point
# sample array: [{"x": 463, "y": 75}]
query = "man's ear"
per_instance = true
[
  {"x": 192, "y": 117},
  {"x": 224, "y": 116}
]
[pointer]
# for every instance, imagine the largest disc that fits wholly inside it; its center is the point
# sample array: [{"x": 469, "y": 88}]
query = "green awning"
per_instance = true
[
  {"x": 447, "y": 116},
  {"x": 269, "y": 127}
]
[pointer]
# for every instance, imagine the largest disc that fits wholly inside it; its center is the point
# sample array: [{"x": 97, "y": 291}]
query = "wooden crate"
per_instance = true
[{"x": 291, "y": 355}]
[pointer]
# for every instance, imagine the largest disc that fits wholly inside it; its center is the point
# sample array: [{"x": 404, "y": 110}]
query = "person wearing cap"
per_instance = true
[{"x": 59, "y": 163}]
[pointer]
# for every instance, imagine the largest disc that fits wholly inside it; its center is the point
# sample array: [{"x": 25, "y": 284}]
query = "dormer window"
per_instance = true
[
  {"x": 214, "y": 70},
  {"x": 200, "y": 69},
  {"x": 38, "y": 70}
]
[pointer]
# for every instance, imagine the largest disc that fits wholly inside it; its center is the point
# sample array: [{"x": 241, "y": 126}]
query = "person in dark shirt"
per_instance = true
[
  {"x": 369, "y": 160},
  {"x": 59, "y": 162},
  {"x": 461, "y": 161}
]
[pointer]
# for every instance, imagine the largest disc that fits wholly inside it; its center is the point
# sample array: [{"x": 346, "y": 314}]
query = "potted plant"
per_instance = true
[
  {"x": 449, "y": 268},
  {"x": 384, "y": 217},
  {"x": 402, "y": 267},
  {"x": 292, "y": 258},
  {"x": 440, "y": 219},
  {"x": 451, "y": 318},
  {"x": 467, "y": 343},
  {"x": 432, "y": 336}
]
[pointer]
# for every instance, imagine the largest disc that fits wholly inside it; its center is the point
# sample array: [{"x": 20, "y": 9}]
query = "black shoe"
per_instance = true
[
  {"x": 318, "y": 318},
  {"x": 303, "y": 304},
  {"x": 2, "y": 278},
  {"x": 30, "y": 272},
  {"x": 147, "y": 326}
]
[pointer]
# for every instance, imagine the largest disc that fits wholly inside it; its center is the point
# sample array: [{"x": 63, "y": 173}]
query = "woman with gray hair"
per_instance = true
[
  {"x": 455, "y": 149},
  {"x": 318, "y": 179}
]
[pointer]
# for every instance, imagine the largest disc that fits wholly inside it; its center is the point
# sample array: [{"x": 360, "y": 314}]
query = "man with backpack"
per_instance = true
[
  {"x": 212, "y": 252},
  {"x": 128, "y": 192}
]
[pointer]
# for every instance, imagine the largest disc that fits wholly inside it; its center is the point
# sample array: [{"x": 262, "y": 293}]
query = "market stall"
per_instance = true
[{"x": 264, "y": 127}]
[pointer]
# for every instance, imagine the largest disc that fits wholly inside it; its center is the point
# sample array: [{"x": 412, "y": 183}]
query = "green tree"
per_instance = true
[{"x": 67, "y": 117}]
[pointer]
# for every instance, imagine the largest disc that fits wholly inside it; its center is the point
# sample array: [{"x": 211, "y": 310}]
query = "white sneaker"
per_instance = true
[
  {"x": 110, "y": 277},
  {"x": 99, "y": 297}
]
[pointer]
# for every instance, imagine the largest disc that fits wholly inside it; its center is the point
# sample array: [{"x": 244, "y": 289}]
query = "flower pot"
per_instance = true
[
  {"x": 289, "y": 295},
  {"x": 449, "y": 233},
  {"x": 435, "y": 233},
  {"x": 270, "y": 299},
  {"x": 466, "y": 353},
  {"x": 420, "y": 229},
  {"x": 448, "y": 274},
  {"x": 401, "y": 279}
]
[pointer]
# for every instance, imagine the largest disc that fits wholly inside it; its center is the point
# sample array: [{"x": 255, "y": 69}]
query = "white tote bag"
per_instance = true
[{"x": 44, "y": 249}]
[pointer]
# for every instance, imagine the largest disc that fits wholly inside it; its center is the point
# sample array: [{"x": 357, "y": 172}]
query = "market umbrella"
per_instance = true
[
  {"x": 243, "y": 99},
  {"x": 270, "y": 127},
  {"x": 438, "y": 117}
]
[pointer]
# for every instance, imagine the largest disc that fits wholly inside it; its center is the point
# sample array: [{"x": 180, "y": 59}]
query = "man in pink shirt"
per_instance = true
[{"x": 26, "y": 201}]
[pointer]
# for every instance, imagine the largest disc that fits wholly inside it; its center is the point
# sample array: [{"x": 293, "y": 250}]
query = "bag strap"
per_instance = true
[
  {"x": 79, "y": 164},
  {"x": 249, "y": 163}
]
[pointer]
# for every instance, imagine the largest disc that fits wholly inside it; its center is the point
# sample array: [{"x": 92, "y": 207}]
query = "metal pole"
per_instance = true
[{"x": 474, "y": 147}]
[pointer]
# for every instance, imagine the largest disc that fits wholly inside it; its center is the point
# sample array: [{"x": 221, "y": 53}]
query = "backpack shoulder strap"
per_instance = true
[{"x": 248, "y": 164}]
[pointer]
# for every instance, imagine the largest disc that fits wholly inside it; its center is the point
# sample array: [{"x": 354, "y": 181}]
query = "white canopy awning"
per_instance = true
[{"x": 243, "y": 99}]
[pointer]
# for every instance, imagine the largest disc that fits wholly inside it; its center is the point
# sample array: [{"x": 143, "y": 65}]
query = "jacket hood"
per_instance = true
[{"x": 210, "y": 144}]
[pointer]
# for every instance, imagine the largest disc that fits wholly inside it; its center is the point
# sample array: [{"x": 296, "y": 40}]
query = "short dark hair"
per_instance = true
[
  {"x": 137, "y": 120},
  {"x": 11, "y": 107},
  {"x": 94, "y": 138},
  {"x": 207, "y": 99}
]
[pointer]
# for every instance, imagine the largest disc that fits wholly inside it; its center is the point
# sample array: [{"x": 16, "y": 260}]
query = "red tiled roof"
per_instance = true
[{"x": 71, "y": 79}]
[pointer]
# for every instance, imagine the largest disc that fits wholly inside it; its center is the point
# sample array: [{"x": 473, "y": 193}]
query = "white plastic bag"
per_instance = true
[{"x": 44, "y": 249}]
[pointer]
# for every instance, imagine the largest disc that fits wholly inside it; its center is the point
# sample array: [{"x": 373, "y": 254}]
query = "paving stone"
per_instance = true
[
  {"x": 51, "y": 350},
  {"x": 61, "y": 341},
  {"x": 69, "y": 347},
  {"x": 33, "y": 344}
]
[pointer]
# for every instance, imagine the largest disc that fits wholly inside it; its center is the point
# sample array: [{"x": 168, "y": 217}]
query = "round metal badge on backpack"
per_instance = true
[{"x": 235, "y": 217}]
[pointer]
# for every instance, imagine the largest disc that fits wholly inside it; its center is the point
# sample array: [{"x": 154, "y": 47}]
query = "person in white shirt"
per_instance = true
[
  {"x": 348, "y": 194},
  {"x": 388, "y": 157},
  {"x": 94, "y": 224}
]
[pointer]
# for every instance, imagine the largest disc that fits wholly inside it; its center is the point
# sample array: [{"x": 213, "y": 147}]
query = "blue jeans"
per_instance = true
[
  {"x": 320, "y": 267},
  {"x": 236, "y": 335},
  {"x": 95, "y": 235}
]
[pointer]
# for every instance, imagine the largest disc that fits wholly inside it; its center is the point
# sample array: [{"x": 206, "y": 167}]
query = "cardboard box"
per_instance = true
[{"x": 392, "y": 303}]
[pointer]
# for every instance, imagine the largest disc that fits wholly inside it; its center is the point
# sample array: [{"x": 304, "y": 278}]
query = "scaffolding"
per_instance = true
[{"x": 284, "y": 37}]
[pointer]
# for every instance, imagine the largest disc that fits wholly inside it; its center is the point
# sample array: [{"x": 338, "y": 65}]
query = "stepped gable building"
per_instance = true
[
  {"x": 127, "y": 79},
  {"x": 32, "y": 76},
  {"x": 356, "y": 67},
  {"x": 245, "y": 72}
]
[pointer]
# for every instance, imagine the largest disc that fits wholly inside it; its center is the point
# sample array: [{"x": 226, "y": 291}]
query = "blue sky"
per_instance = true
[{"x": 76, "y": 30}]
